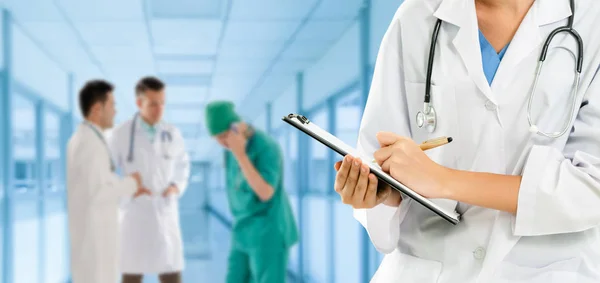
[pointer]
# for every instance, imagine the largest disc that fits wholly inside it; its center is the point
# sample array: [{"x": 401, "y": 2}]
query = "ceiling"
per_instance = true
[{"x": 202, "y": 49}]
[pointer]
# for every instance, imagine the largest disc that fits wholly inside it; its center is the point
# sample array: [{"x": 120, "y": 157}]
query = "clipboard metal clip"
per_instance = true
[{"x": 300, "y": 118}]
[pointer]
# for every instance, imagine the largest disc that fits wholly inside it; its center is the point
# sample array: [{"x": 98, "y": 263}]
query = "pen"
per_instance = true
[{"x": 432, "y": 143}]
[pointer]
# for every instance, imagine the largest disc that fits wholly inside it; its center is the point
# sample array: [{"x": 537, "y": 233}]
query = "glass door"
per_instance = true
[
  {"x": 54, "y": 215},
  {"x": 316, "y": 212},
  {"x": 347, "y": 229},
  {"x": 195, "y": 223},
  {"x": 24, "y": 196}
]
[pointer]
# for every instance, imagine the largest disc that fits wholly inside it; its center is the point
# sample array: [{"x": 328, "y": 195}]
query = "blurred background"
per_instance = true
[{"x": 272, "y": 57}]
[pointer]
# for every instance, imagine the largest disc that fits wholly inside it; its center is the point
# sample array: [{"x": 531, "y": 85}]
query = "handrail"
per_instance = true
[
  {"x": 229, "y": 224},
  {"x": 222, "y": 218}
]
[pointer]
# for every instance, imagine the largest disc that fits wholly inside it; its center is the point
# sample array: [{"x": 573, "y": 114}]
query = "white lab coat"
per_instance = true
[
  {"x": 93, "y": 195},
  {"x": 150, "y": 233},
  {"x": 554, "y": 236}
]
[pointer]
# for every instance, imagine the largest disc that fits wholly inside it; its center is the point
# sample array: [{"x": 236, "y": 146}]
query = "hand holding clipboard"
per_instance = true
[{"x": 373, "y": 170}]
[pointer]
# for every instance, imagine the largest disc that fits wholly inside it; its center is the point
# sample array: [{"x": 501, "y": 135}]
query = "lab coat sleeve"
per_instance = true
[
  {"x": 560, "y": 191},
  {"x": 181, "y": 172},
  {"x": 109, "y": 187},
  {"x": 386, "y": 110}
]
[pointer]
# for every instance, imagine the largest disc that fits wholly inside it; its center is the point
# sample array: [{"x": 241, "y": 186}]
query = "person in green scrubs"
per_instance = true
[{"x": 264, "y": 228}]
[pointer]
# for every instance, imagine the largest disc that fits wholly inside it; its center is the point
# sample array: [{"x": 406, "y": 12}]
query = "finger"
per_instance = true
[
  {"x": 386, "y": 165},
  {"x": 351, "y": 182},
  {"x": 371, "y": 193},
  {"x": 387, "y": 138},
  {"x": 361, "y": 186},
  {"x": 383, "y": 154},
  {"x": 342, "y": 174}
]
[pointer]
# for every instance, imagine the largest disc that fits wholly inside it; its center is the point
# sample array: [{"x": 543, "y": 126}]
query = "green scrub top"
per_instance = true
[{"x": 259, "y": 224}]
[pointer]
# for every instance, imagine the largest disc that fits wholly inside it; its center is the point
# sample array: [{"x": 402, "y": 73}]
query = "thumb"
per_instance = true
[{"x": 387, "y": 138}]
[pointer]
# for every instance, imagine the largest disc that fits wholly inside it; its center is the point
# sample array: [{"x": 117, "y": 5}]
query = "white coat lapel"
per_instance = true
[
  {"x": 159, "y": 140},
  {"x": 528, "y": 37},
  {"x": 526, "y": 40},
  {"x": 462, "y": 14}
]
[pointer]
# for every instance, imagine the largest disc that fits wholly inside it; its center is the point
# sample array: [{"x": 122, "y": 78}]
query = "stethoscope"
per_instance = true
[
  {"x": 428, "y": 118},
  {"x": 165, "y": 137},
  {"x": 101, "y": 137}
]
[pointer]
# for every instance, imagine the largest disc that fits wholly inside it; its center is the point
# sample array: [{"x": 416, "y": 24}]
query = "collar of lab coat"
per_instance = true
[
  {"x": 139, "y": 127},
  {"x": 100, "y": 130},
  {"x": 528, "y": 38},
  {"x": 460, "y": 12}
]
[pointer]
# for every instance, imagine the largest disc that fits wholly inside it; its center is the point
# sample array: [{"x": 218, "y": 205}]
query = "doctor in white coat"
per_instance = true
[
  {"x": 528, "y": 190},
  {"x": 151, "y": 233},
  {"x": 94, "y": 190}
]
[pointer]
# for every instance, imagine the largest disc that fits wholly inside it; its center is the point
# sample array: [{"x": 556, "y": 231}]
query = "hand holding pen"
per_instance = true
[
  {"x": 407, "y": 162},
  {"x": 432, "y": 143}
]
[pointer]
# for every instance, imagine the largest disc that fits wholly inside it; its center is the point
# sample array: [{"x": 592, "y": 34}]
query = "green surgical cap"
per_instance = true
[{"x": 219, "y": 116}]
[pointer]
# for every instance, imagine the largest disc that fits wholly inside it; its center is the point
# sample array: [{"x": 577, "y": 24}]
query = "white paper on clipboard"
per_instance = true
[{"x": 306, "y": 126}]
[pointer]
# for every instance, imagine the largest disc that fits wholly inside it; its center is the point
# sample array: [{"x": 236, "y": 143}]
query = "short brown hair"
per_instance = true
[{"x": 148, "y": 83}]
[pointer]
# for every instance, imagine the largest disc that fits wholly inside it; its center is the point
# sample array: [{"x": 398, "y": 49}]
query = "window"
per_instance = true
[
  {"x": 21, "y": 171},
  {"x": 23, "y": 137}
]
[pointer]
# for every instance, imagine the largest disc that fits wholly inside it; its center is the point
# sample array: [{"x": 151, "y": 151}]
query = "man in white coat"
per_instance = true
[
  {"x": 150, "y": 229},
  {"x": 94, "y": 190}
]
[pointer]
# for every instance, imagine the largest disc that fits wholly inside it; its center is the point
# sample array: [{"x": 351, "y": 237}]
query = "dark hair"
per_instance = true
[
  {"x": 148, "y": 83},
  {"x": 93, "y": 91}
]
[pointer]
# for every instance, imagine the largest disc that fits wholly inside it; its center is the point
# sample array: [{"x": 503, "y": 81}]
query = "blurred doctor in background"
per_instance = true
[
  {"x": 264, "y": 227},
  {"x": 151, "y": 232},
  {"x": 94, "y": 190}
]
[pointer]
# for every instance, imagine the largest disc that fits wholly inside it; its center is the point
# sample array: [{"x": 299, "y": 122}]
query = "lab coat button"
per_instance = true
[
  {"x": 489, "y": 105},
  {"x": 479, "y": 253}
]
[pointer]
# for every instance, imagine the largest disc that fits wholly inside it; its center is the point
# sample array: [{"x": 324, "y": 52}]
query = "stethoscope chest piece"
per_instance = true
[{"x": 427, "y": 119}]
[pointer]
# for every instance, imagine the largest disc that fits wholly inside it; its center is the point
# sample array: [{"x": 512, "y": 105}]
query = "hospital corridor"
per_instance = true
[{"x": 269, "y": 58}]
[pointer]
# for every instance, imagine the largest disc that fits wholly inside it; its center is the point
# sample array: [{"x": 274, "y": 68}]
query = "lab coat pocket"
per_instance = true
[
  {"x": 400, "y": 267},
  {"x": 557, "y": 272},
  {"x": 168, "y": 204}
]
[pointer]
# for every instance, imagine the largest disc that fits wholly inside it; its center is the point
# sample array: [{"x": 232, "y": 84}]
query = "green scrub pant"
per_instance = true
[{"x": 261, "y": 266}]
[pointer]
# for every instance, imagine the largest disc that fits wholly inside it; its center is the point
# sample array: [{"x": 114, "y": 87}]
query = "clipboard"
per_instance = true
[{"x": 306, "y": 126}]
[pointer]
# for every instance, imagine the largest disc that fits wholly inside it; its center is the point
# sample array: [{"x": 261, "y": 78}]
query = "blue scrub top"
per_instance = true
[{"x": 490, "y": 59}]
